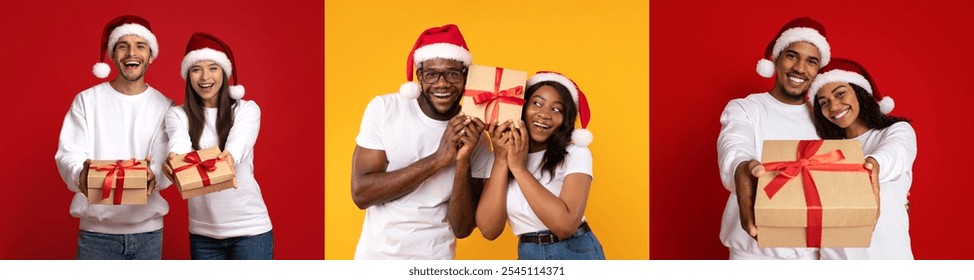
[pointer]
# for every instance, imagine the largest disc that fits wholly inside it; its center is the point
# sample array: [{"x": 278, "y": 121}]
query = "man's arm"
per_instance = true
[
  {"x": 72, "y": 151},
  {"x": 462, "y": 208},
  {"x": 372, "y": 184},
  {"x": 736, "y": 158}
]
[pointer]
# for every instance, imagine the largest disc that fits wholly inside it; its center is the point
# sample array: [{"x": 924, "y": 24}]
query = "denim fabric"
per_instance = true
[
  {"x": 257, "y": 247},
  {"x": 584, "y": 247},
  {"x": 104, "y": 246}
]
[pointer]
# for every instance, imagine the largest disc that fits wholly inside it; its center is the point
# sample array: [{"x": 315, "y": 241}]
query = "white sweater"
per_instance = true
[
  {"x": 104, "y": 124},
  {"x": 895, "y": 149},
  {"x": 745, "y": 124},
  {"x": 231, "y": 212}
]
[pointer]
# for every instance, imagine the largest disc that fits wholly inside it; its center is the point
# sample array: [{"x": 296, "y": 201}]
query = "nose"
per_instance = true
[
  {"x": 800, "y": 66},
  {"x": 441, "y": 81}
]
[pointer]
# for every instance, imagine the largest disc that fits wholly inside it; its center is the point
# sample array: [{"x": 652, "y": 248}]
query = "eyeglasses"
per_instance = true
[{"x": 452, "y": 76}]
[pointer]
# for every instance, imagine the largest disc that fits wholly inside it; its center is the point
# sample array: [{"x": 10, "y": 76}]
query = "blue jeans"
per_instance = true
[
  {"x": 584, "y": 247},
  {"x": 257, "y": 247},
  {"x": 104, "y": 246}
]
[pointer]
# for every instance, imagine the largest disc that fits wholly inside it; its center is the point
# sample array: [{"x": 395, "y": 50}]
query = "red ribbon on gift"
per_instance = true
[
  {"x": 806, "y": 162},
  {"x": 202, "y": 166},
  {"x": 507, "y": 96},
  {"x": 116, "y": 172}
]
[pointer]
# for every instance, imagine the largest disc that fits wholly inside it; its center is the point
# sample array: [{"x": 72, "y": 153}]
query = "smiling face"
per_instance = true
[
  {"x": 206, "y": 78},
  {"x": 840, "y": 106},
  {"x": 440, "y": 99},
  {"x": 132, "y": 57},
  {"x": 544, "y": 114},
  {"x": 795, "y": 67}
]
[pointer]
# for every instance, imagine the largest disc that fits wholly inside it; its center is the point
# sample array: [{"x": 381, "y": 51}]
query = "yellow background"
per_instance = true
[{"x": 602, "y": 45}]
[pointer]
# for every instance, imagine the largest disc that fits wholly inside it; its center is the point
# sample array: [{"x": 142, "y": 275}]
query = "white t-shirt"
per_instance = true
[
  {"x": 104, "y": 124},
  {"x": 519, "y": 214},
  {"x": 895, "y": 149},
  {"x": 413, "y": 226},
  {"x": 231, "y": 212},
  {"x": 745, "y": 124}
]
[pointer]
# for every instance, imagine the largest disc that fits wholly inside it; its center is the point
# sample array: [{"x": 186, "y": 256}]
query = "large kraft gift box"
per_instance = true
[
  {"x": 816, "y": 193},
  {"x": 494, "y": 93},
  {"x": 201, "y": 172},
  {"x": 117, "y": 182}
]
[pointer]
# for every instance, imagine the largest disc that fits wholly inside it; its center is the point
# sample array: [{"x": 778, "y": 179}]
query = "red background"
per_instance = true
[
  {"x": 704, "y": 54},
  {"x": 48, "y": 49}
]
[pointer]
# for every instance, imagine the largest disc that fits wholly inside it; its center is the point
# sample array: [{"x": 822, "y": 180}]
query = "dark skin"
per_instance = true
[{"x": 372, "y": 184}]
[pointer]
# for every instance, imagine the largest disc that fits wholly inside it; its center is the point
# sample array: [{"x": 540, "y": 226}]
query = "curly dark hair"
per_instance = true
[
  {"x": 868, "y": 111},
  {"x": 555, "y": 151}
]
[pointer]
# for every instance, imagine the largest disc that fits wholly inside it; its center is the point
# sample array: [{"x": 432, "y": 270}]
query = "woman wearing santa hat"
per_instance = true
[
  {"x": 230, "y": 224},
  {"x": 541, "y": 174},
  {"x": 848, "y": 105}
]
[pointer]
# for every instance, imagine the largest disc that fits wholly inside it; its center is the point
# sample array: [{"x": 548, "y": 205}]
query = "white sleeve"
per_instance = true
[
  {"x": 159, "y": 151},
  {"x": 370, "y": 134},
  {"x": 178, "y": 131},
  {"x": 896, "y": 151},
  {"x": 578, "y": 160},
  {"x": 72, "y": 150},
  {"x": 243, "y": 134},
  {"x": 736, "y": 142}
]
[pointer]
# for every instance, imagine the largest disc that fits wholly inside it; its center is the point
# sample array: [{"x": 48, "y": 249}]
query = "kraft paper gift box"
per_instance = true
[
  {"x": 201, "y": 172},
  {"x": 816, "y": 193},
  {"x": 494, "y": 93},
  {"x": 117, "y": 182}
]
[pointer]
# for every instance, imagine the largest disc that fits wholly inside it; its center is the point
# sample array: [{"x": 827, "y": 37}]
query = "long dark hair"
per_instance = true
[
  {"x": 193, "y": 106},
  {"x": 555, "y": 152},
  {"x": 869, "y": 113}
]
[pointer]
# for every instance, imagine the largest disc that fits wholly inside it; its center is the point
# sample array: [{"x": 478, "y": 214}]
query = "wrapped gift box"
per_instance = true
[
  {"x": 117, "y": 182},
  {"x": 494, "y": 93},
  {"x": 816, "y": 193},
  {"x": 201, "y": 172}
]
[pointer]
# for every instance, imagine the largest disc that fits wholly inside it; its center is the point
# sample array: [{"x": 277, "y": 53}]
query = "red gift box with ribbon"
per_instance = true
[
  {"x": 117, "y": 182},
  {"x": 494, "y": 93},
  {"x": 816, "y": 193},
  {"x": 201, "y": 172}
]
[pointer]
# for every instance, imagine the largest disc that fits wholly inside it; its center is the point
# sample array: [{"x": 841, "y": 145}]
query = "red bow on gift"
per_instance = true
[
  {"x": 806, "y": 162},
  {"x": 508, "y": 96},
  {"x": 202, "y": 166},
  {"x": 116, "y": 172}
]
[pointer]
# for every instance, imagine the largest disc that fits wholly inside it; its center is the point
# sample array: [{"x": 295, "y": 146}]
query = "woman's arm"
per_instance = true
[
  {"x": 562, "y": 214},
  {"x": 492, "y": 209}
]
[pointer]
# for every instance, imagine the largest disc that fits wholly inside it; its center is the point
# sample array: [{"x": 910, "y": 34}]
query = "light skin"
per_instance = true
[
  {"x": 132, "y": 56},
  {"x": 372, "y": 184},
  {"x": 562, "y": 214}
]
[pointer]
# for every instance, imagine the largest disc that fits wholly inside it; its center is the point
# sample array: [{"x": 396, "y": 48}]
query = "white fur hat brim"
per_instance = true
[
  {"x": 216, "y": 56},
  {"x": 134, "y": 29}
]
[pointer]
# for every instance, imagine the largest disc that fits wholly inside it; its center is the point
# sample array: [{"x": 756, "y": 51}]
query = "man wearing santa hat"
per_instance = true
[
  {"x": 794, "y": 58},
  {"x": 120, "y": 119},
  {"x": 418, "y": 164}
]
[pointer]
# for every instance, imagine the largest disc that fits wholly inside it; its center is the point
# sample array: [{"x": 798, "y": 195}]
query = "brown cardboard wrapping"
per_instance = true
[
  {"x": 133, "y": 182},
  {"x": 848, "y": 205},
  {"x": 484, "y": 79},
  {"x": 191, "y": 182}
]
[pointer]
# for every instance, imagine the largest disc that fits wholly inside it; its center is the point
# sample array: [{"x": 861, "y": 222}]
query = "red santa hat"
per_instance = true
[
  {"x": 116, "y": 29},
  {"x": 848, "y": 71},
  {"x": 437, "y": 42},
  {"x": 797, "y": 30},
  {"x": 202, "y": 46},
  {"x": 581, "y": 136}
]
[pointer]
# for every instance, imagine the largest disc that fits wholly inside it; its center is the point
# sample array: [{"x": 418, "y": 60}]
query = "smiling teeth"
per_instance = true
[
  {"x": 206, "y": 85},
  {"x": 132, "y": 63},
  {"x": 441, "y": 94},
  {"x": 840, "y": 115},
  {"x": 796, "y": 80},
  {"x": 541, "y": 125}
]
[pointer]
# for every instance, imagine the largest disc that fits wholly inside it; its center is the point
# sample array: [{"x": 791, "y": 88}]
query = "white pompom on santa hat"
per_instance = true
[
  {"x": 797, "y": 30},
  {"x": 437, "y": 42},
  {"x": 203, "y": 46},
  {"x": 581, "y": 136},
  {"x": 115, "y": 30},
  {"x": 848, "y": 71}
]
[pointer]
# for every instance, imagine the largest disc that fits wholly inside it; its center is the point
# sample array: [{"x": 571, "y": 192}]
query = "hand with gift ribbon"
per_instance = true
[
  {"x": 746, "y": 178},
  {"x": 225, "y": 156},
  {"x": 150, "y": 179},
  {"x": 471, "y": 135},
  {"x": 167, "y": 168},
  {"x": 873, "y": 166},
  {"x": 517, "y": 149}
]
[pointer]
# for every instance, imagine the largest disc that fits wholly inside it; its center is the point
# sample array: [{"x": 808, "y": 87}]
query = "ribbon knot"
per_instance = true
[
  {"x": 202, "y": 166},
  {"x": 507, "y": 96},
  {"x": 116, "y": 172}
]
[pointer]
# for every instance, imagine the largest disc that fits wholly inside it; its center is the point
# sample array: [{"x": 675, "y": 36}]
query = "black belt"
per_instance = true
[{"x": 547, "y": 237}]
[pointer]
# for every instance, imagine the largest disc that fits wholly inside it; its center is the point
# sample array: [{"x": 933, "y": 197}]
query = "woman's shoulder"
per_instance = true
[
  {"x": 899, "y": 127},
  {"x": 247, "y": 106},
  {"x": 176, "y": 110},
  {"x": 576, "y": 151}
]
